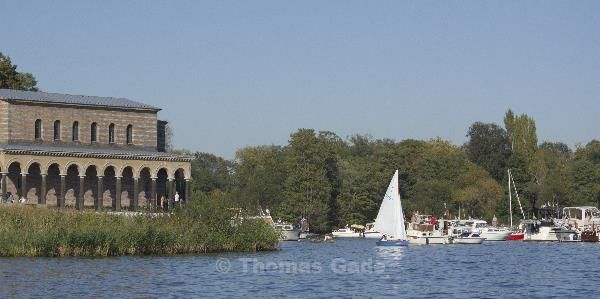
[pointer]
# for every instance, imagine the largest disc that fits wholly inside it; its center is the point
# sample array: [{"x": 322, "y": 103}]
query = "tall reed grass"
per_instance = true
[{"x": 202, "y": 226}]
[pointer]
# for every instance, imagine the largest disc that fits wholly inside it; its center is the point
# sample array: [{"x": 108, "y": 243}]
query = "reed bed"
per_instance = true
[{"x": 200, "y": 227}]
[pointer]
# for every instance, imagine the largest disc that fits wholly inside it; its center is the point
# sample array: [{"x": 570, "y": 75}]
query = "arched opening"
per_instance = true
[
  {"x": 38, "y": 130},
  {"x": 75, "y": 131},
  {"x": 34, "y": 184},
  {"x": 53, "y": 185},
  {"x": 162, "y": 190},
  {"x": 110, "y": 185},
  {"x": 145, "y": 187},
  {"x": 57, "y": 130},
  {"x": 71, "y": 186},
  {"x": 129, "y": 134},
  {"x": 127, "y": 188},
  {"x": 13, "y": 182},
  {"x": 111, "y": 133},
  {"x": 180, "y": 185},
  {"x": 90, "y": 187},
  {"x": 94, "y": 132}
]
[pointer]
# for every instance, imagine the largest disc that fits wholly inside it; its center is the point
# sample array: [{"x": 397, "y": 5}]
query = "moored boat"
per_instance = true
[
  {"x": 346, "y": 232},
  {"x": 287, "y": 232},
  {"x": 468, "y": 238}
]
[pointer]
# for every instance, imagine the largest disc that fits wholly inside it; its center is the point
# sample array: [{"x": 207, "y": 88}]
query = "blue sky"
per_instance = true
[{"x": 230, "y": 74}]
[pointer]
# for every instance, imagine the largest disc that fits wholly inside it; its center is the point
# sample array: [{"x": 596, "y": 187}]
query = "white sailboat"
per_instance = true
[{"x": 390, "y": 219}]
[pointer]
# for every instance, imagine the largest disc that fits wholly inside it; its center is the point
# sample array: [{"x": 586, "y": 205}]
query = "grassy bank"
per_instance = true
[{"x": 201, "y": 227}]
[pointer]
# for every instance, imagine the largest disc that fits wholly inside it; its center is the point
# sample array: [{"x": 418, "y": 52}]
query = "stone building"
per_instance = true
[{"x": 86, "y": 152}]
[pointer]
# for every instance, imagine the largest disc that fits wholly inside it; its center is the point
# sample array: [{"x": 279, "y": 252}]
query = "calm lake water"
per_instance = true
[{"x": 346, "y": 268}]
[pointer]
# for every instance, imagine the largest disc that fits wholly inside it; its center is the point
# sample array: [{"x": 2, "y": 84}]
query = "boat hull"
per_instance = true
[
  {"x": 345, "y": 235},
  {"x": 516, "y": 237},
  {"x": 589, "y": 236},
  {"x": 468, "y": 240},
  {"x": 392, "y": 243},
  {"x": 494, "y": 236},
  {"x": 373, "y": 235},
  {"x": 289, "y": 235},
  {"x": 429, "y": 240}
]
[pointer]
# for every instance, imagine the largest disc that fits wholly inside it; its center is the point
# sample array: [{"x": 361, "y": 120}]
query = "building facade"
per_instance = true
[{"x": 86, "y": 152}]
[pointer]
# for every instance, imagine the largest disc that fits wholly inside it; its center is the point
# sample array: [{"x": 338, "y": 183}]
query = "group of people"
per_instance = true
[
  {"x": 10, "y": 198},
  {"x": 169, "y": 204}
]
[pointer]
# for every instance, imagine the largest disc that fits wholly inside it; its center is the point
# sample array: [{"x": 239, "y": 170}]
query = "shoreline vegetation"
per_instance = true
[{"x": 202, "y": 226}]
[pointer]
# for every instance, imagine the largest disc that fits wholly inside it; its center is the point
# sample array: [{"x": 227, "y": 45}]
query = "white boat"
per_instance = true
[
  {"x": 490, "y": 233},
  {"x": 390, "y": 218},
  {"x": 371, "y": 232},
  {"x": 468, "y": 238},
  {"x": 346, "y": 232},
  {"x": 287, "y": 232},
  {"x": 425, "y": 233}
]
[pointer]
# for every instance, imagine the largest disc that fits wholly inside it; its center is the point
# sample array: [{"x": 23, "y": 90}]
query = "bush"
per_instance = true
[{"x": 204, "y": 225}]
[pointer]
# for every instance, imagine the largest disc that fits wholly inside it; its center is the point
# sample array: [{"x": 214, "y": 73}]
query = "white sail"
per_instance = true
[{"x": 390, "y": 219}]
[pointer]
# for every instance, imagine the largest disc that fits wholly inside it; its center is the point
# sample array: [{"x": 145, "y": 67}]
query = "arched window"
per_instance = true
[
  {"x": 38, "y": 129},
  {"x": 94, "y": 132},
  {"x": 111, "y": 133},
  {"x": 129, "y": 134},
  {"x": 76, "y": 131},
  {"x": 57, "y": 130}
]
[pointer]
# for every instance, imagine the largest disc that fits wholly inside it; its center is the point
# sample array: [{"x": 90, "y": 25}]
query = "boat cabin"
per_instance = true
[{"x": 581, "y": 216}]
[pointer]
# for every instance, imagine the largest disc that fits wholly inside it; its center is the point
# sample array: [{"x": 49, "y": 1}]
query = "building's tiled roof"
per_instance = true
[
  {"x": 58, "y": 98},
  {"x": 90, "y": 151}
]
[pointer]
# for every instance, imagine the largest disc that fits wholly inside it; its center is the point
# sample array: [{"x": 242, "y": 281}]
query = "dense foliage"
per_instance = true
[
  {"x": 333, "y": 182},
  {"x": 205, "y": 225}
]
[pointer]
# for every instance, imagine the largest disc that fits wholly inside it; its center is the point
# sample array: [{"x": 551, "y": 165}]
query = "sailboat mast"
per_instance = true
[
  {"x": 509, "y": 199},
  {"x": 517, "y": 194}
]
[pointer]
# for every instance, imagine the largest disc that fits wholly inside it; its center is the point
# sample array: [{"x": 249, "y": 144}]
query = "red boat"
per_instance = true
[{"x": 516, "y": 237}]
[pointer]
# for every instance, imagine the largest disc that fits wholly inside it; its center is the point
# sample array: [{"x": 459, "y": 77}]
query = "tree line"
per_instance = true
[{"x": 333, "y": 182}]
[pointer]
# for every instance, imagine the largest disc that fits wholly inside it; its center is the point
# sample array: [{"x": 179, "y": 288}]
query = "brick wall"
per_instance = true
[{"x": 21, "y": 117}]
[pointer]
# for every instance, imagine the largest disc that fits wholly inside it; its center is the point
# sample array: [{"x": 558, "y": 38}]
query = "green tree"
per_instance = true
[
  {"x": 586, "y": 174},
  {"x": 259, "y": 178},
  {"x": 522, "y": 136},
  {"x": 211, "y": 173},
  {"x": 12, "y": 79},
  {"x": 307, "y": 187},
  {"x": 488, "y": 147}
]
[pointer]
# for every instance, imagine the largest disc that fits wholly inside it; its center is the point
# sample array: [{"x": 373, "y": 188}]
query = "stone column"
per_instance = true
[
  {"x": 79, "y": 202},
  {"x": 153, "y": 195},
  {"x": 24, "y": 186},
  {"x": 43, "y": 189},
  {"x": 171, "y": 188},
  {"x": 136, "y": 192},
  {"x": 61, "y": 198},
  {"x": 100, "y": 196},
  {"x": 188, "y": 190},
  {"x": 117, "y": 205},
  {"x": 4, "y": 174},
  {"x": 170, "y": 193}
]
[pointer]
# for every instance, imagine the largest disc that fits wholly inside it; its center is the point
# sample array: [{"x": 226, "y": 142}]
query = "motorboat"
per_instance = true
[
  {"x": 468, "y": 238},
  {"x": 422, "y": 231},
  {"x": 545, "y": 230},
  {"x": 287, "y": 232},
  {"x": 585, "y": 220},
  {"x": 346, "y": 232},
  {"x": 371, "y": 232},
  {"x": 490, "y": 233}
]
